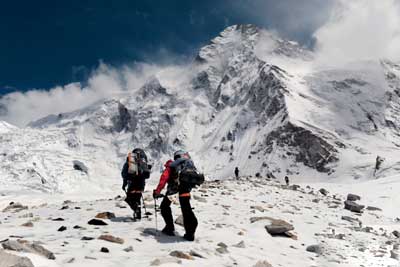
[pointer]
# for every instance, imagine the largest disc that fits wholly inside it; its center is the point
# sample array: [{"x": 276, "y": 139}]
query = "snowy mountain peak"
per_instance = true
[{"x": 240, "y": 106}]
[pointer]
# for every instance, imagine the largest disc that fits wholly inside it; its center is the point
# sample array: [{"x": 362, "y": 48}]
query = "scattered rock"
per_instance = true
[
  {"x": 112, "y": 239},
  {"x": 78, "y": 227},
  {"x": 158, "y": 262},
  {"x": 87, "y": 238},
  {"x": 294, "y": 187},
  {"x": 396, "y": 233},
  {"x": 323, "y": 191},
  {"x": 69, "y": 260},
  {"x": 222, "y": 245},
  {"x": 353, "y": 197},
  {"x": 179, "y": 220},
  {"x": 240, "y": 245},
  {"x": 259, "y": 208},
  {"x": 278, "y": 227},
  {"x": 58, "y": 220},
  {"x": 394, "y": 254},
  {"x": 27, "y": 224},
  {"x": 128, "y": 249},
  {"x": 180, "y": 255},
  {"x": 195, "y": 254},
  {"x": 105, "y": 215},
  {"x": 25, "y": 246},
  {"x": 314, "y": 249},
  {"x": 80, "y": 166},
  {"x": 11, "y": 260},
  {"x": 62, "y": 229},
  {"x": 350, "y": 219},
  {"x": 97, "y": 222},
  {"x": 262, "y": 264},
  {"x": 15, "y": 207},
  {"x": 222, "y": 248},
  {"x": 353, "y": 207},
  {"x": 370, "y": 208},
  {"x": 104, "y": 250}
]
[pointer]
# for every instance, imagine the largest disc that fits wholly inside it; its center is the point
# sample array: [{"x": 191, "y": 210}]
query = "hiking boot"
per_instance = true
[
  {"x": 189, "y": 237},
  {"x": 168, "y": 231}
]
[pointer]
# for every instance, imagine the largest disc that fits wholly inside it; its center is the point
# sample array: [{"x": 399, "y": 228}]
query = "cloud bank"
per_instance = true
[
  {"x": 20, "y": 108},
  {"x": 360, "y": 30}
]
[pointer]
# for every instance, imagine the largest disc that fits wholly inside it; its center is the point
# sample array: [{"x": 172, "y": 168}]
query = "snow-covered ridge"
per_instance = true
[{"x": 242, "y": 104}]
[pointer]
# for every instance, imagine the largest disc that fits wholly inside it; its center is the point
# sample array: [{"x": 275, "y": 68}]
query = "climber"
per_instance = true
[
  {"x": 237, "y": 173},
  {"x": 287, "y": 180},
  {"x": 134, "y": 173},
  {"x": 181, "y": 176}
]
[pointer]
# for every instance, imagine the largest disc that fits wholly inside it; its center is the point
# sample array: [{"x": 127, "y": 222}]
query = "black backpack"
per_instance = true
[
  {"x": 188, "y": 174},
  {"x": 137, "y": 164}
]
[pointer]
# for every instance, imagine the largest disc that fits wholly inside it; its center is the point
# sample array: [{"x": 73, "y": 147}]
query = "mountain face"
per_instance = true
[{"x": 240, "y": 103}]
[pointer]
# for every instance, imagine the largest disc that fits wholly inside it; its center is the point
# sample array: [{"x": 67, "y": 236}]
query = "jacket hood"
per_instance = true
[{"x": 168, "y": 163}]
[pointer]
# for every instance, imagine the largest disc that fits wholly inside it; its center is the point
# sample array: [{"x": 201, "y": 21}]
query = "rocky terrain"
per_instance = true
[{"x": 250, "y": 222}]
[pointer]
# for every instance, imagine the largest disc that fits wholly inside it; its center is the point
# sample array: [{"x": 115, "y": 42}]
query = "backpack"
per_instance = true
[
  {"x": 137, "y": 164},
  {"x": 188, "y": 174}
]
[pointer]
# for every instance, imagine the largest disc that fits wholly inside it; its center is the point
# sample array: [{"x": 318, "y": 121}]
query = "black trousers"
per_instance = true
[
  {"x": 133, "y": 200},
  {"x": 189, "y": 219}
]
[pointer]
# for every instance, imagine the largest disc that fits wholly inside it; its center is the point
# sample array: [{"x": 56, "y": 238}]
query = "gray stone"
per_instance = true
[
  {"x": 128, "y": 249},
  {"x": 80, "y": 166},
  {"x": 353, "y": 207},
  {"x": 353, "y": 197},
  {"x": 394, "y": 254},
  {"x": 262, "y": 264},
  {"x": 10, "y": 260},
  {"x": 181, "y": 255},
  {"x": 317, "y": 249},
  {"x": 278, "y": 227},
  {"x": 222, "y": 250},
  {"x": 240, "y": 245},
  {"x": 350, "y": 219},
  {"x": 25, "y": 246},
  {"x": 370, "y": 208},
  {"x": 15, "y": 207},
  {"x": 323, "y": 191}
]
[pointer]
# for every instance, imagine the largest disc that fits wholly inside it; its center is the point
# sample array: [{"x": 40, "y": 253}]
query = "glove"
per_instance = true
[{"x": 156, "y": 194}]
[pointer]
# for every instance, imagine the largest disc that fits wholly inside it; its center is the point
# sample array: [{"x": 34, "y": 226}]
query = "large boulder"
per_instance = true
[
  {"x": 353, "y": 197},
  {"x": 278, "y": 227},
  {"x": 10, "y": 260},
  {"x": 352, "y": 206}
]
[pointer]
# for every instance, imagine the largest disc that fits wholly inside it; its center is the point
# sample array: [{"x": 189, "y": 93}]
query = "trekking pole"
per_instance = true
[
  {"x": 155, "y": 213},
  {"x": 144, "y": 206}
]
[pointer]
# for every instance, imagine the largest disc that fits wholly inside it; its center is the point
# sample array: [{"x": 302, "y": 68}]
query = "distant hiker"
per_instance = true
[
  {"x": 287, "y": 180},
  {"x": 378, "y": 162},
  {"x": 181, "y": 176},
  {"x": 134, "y": 173},
  {"x": 237, "y": 173}
]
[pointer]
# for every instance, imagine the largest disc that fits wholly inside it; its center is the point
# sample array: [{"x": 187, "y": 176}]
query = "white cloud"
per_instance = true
[
  {"x": 360, "y": 30},
  {"x": 104, "y": 82}
]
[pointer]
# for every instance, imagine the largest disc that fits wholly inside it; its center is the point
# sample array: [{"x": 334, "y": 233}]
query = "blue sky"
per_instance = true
[{"x": 48, "y": 43}]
